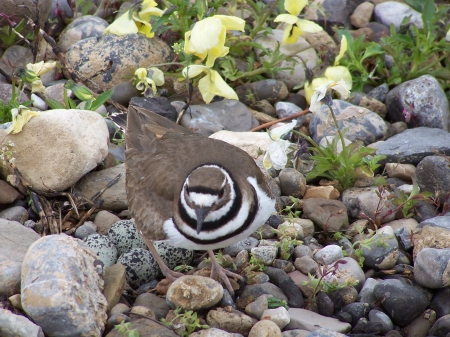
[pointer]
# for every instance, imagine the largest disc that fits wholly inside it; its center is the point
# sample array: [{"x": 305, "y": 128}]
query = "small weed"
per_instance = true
[
  {"x": 187, "y": 321},
  {"x": 125, "y": 329}
]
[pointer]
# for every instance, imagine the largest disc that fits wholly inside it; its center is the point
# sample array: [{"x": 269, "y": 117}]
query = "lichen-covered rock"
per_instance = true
[{"x": 61, "y": 290}]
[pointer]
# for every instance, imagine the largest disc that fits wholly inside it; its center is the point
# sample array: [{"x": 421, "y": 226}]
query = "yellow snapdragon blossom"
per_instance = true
[
  {"x": 147, "y": 79},
  {"x": 20, "y": 116},
  {"x": 320, "y": 92},
  {"x": 38, "y": 69},
  {"x": 132, "y": 21},
  {"x": 211, "y": 84},
  {"x": 295, "y": 27},
  {"x": 207, "y": 39},
  {"x": 335, "y": 73},
  {"x": 277, "y": 151}
]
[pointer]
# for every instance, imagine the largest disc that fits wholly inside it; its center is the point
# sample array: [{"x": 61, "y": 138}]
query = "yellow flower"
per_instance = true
[
  {"x": 211, "y": 84},
  {"x": 34, "y": 70},
  {"x": 42, "y": 67},
  {"x": 323, "y": 90},
  {"x": 20, "y": 117},
  {"x": 334, "y": 73},
  {"x": 295, "y": 27},
  {"x": 207, "y": 38},
  {"x": 135, "y": 21},
  {"x": 147, "y": 79},
  {"x": 277, "y": 151}
]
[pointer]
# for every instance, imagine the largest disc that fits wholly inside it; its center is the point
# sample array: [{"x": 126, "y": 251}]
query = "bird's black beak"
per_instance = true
[{"x": 201, "y": 214}]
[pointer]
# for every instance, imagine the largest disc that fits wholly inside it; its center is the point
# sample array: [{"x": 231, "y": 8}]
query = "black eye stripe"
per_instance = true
[{"x": 203, "y": 190}]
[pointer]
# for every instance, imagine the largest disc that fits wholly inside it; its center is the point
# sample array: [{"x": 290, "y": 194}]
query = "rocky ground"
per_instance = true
[{"x": 331, "y": 262}]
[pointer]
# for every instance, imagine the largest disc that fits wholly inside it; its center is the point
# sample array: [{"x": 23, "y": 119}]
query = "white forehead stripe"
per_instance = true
[{"x": 203, "y": 200}]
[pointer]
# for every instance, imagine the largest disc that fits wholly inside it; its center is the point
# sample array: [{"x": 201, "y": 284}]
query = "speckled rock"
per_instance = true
[
  {"x": 91, "y": 55},
  {"x": 431, "y": 236},
  {"x": 361, "y": 123},
  {"x": 124, "y": 236},
  {"x": 192, "y": 292},
  {"x": 365, "y": 101},
  {"x": 61, "y": 291},
  {"x": 141, "y": 266},
  {"x": 103, "y": 248},
  {"x": 266, "y": 254},
  {"x": 81, "y": 28},
  {"x": 424, "y": 99}
]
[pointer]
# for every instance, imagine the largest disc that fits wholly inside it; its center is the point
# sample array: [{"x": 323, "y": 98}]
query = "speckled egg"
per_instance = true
[
  {"x": 141, "y": 266},
  {"x": 173, "y": 256},
  {"x": 125, "y": 237},
  {"x": 103, "y": 248}
]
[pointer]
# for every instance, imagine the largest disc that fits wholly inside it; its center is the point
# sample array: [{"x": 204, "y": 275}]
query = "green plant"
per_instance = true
[
  {"x": 5, "y": 108},
  {"x": 414, "y": 51},
  {"x": 183, "y": 268},
  {"x": 287, "y": 246},
  {"x": 187, "y": 320},
  {"x": 407, "y": 202},
  {"x": 273, "y": 302},
  {"x": 10, "y": 34},
  {"x": 125, "y": 329},
  {"x": 327, "y": 280},
  {"x": 82, "y": 93},
  {"x": 255, "y": 264},
  {"x": 291, "y": 210}
]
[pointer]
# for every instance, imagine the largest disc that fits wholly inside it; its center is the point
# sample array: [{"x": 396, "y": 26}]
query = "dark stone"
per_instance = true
[
  {"x": 357, "y": 310},
  {"x": 412, "y": 145},
  {"x": 433, "y": 175},
  {"x": 281, "y": 279},
  {"x": 440, "y": 302},
  {"x": 379, "y": 93},
  {"x": 441, "y": 327},
  {"x": 270, "y": 90},
  {"x": 324, "y": 304}
]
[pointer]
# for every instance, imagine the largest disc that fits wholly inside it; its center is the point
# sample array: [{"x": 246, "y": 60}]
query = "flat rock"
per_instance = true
[
  {"x": 15, "y": 239},
  {"x": 311, "y": 321},
  {"x": 58, "y": 147},
  {"x": 412, "y": 145},
  {"x": 250, "y": 142},
  {"x": 61, "y": 290}
]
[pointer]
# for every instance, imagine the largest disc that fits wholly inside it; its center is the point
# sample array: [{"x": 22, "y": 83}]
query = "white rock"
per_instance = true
[
  {"x": 279, "y": 315},
  {"x": 39, "y": 102},
  {"x": 250, "y": 142},
  {"x": 58, "y": 147}
]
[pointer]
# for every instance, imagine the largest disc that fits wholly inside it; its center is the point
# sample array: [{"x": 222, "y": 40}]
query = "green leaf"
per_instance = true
[
  {"x": 101, "y": 99},
  {"x": 428, "y": 15},
  {"x": 54, "y": 104}
]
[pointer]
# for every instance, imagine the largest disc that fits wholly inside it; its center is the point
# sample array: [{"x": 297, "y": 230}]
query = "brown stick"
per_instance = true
[{"x": 266, "y": 125}]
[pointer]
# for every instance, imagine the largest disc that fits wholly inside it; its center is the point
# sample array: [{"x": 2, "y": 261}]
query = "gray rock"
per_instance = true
[
  {"x": 421, "y": 325},
  {"x": 281, "y": 279},
  {"x": 365, "y": 200},
  {"x": 333, "y": 13},
  {"x": 424, "y": 99},
  {"x": 256, "y": 290},
  {"x": 270, "y": 90},
  {"x": 306, "y": 265},
  {"x": 285, "y": 109},
  {"x": 81, "y": 28},
  {"x": 124, "y": 236},
  {"x": 348, "y": 267},
  {"x": 115, "y": 197},
  {"x": 357, "y": 122},
  {"x": 265, "y": 328},
  {"x": 156, "y": 303},
  {"x": 230, "y": 320},
  {"x": 58, "y": 274},
  {"x": 431, "y": 269},
  {"x": 437, "y": 221},
  {"x": 309, "y": 320},
  {"x": 325, "y": 305},
  {"x": 402, "y": 302},
  {"x": 15, "y": 213},
  {"x": 15, "y": 57},
  {"x": 381, "y": 317},
  {"x": 392, "y": 12},
  {"x": 141, "y": 266},
  {"x": 381, "y": 250},
  {"x": 412, "y": 145},
  {"x": 329, "y": 254},
  {"x": 322, "y": 332},
  {"x": 228, "y": 115},
  {"x": 85, "y": 230},
  {"x": 279, "y": 315},
  {"x": 441, "y": 327},
  {"x": 357, "y": 310},
  {"x": 380, "y": 92},
  {"x": 433, "y": 175},
  {"x": 439, "y": 302},
  {"x": 12, "y": 325},
  {"x": 368, "y": 102},
  {"x": 258, "y": 306},
  {"x": 329, "y": 215},
  {"x": 366, "y": 293},
  {"x": 14, "y": 243},
  {"x": 292, "y": 183},
  {"x": 246, "y": 244},
  {"x": 103, "y": 248}
]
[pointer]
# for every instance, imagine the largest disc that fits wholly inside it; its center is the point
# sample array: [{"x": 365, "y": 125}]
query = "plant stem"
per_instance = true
[{"x": 341, "y": 136}]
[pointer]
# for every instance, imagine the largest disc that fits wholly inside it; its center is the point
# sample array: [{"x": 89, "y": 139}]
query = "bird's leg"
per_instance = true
[
  {"x": 217, "y": 269},
  {"x": 170, "y": 274}
]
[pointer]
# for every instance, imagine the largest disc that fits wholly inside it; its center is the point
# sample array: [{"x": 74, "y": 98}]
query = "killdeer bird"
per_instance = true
[{"x": 196, "y": 192}]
